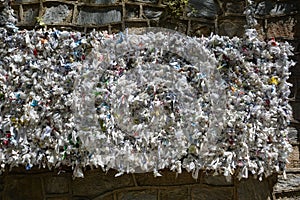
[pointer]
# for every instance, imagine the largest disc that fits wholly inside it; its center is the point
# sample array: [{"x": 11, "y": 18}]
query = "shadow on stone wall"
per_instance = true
[{"x": 43, "y": 184}]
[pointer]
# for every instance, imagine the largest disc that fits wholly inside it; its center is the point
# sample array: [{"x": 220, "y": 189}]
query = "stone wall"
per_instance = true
[
  {"x": 225, "y": 17},
  {"x": 39, "y": 184},
  {"x": 278, "y": 19}
]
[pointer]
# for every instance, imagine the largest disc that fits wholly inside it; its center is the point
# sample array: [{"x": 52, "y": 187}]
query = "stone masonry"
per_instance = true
[
  {"x": 42, "y": 184},
  {"x": 277, "y": 19}
]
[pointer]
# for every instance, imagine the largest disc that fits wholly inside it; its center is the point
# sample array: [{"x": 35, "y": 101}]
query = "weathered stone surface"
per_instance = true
[
  {"x": 97, "y": 182},
  {"x": 281, "y": 29},
  {"x": 180, "y": 26},
  {"x": 86, "y": 198},
  {"x": 203, "y": 8},
  {"x": 57, "y": 14},
  {"x": 1, "y": 185},
  {"x": 275, "y": 9},
  {"x": 201, "y": 29},
  {"x": 56, "y": 184},
  {"x": 59, "y": 198},
  {"x": 30, "y": 14},
  {"x": 292, "y": 183},
  {"x": 293, "y": 135},
  {"x": 138, "y": 195},
  {"x": 132, "y": 12},
  {"x": 200, "y": 192},
  {"x": 23, "y": 187},
  {"x": 296, "y": 109},
  {"x": 26, "y": 1},
  {"x": 235, "y": 7},
  {"x": 103, "y": 1},
  {"x": 247, "y": 189},
  {"x": 151, "y": 13},
  {"x": 145, "y": 1},
  {"x": 294, "y": 89},
  {"x": 232, "y": 28},
  {"x": 106, "y": 197},
  {"x": 218, "y": 180},
  {"x": 288, "y": 198},
  {"x": 175, "y": 194},
  {"x": 98, "y": 17},
  {"x": 294, "y": 158},
  {"x": 167, "y": 178}
]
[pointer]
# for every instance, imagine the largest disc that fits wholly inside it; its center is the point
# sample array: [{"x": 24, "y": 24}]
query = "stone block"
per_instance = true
[
  {"x": 151, "y": 13},
  {"x": 295, "y": 70},
  {"x": 30, "y": 13},
  {"x": 283, "y": 28},
  {"x": 97, "y": 182},
  {"x": 59, "y": 198},
  {"x": 203, "y": 8},
  {"x": 235, "y": 7},
  {"x": 137, "y": 24},
  {"x": 253, "y": 189},
  {"x": 22, "y": 187},
  {"x": 138, "y": 195},
  {"x": 167, "y": 178},
  {"x": 1, "y": 185},
  {"x": 232, "y": 27},
  {"x": 107, "y": 197},
  {"x": 294, "y": 89},
  {"x": 294, "y": 159},
  {"x": 199, "y": 28},
  {"x": 56, "y": 185},
  {"x": 57, "y": 14},
  {"x": 178, "y": 25},
  {"x": 105, "y": 2},
  {"x": 296, "y": 109},
  {"x": 218, "y": 180},
  {"x": 26, "y": 1},
  {"x": 293, "y": 135},
  {"x": 200, "y": 192},
  {"x": 132, "y": 12},
  {"x": 175, "y": 194},
  {"x": 93, "y": 16},
  {"x": 287, "y": 185}
]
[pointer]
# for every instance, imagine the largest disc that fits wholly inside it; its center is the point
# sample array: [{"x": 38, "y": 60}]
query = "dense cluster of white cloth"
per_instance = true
[{"x": 144, "y": 102}]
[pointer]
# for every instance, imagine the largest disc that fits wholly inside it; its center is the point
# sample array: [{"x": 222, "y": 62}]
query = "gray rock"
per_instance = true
[
  {"x": 103, "y": 1},
  {"x": 291, "y": 183},
  {"x": 98, "y": 18},
  {"x": 235, "y": 7},
  {"x": 56, "y": 14},
  {"x": 293, "y": 134},
  {"x": 231, "y": 28},
  {"x": 151, "y": 14},
  {"x": 203, "y": 8},
  {"x": 29, "y": 15}
]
